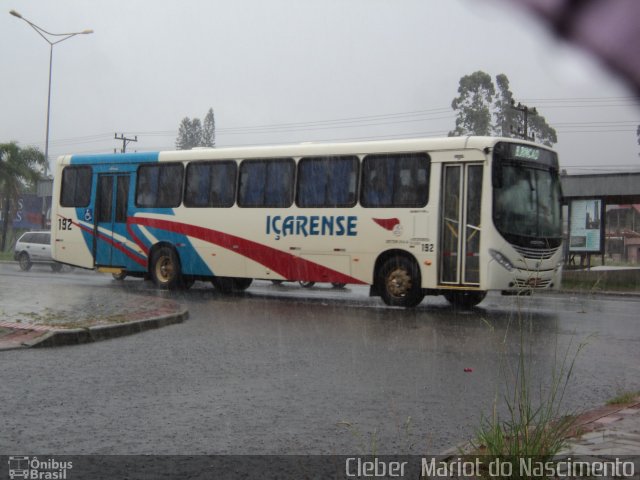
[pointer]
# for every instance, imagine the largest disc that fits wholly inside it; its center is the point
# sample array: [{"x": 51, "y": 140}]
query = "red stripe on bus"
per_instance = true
[
  {"x": 285, "y": 264},
  {"x": 132, "y": 255},
  {"x": 137, "y": 239}
]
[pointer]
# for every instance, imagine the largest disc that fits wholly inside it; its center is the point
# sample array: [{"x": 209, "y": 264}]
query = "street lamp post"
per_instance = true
[{"x": 50, "y": 38}]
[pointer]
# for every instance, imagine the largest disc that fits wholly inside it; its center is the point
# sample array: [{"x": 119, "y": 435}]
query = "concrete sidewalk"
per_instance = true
[
  {"x": 606, "y": 431},
  {"x": 72, "y": 313}
]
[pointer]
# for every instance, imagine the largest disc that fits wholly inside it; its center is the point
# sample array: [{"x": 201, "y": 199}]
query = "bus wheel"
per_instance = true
[
  {"x": 399, "y": 282},
  {"x": 464, "y": 299},
  {"x": 307, "y": 284},
  {"x": 338, "y": 284},
  {"x": 230, "y": 285},
  {"x": 56, "y": 267},
  {"x": 165, "y": 268},
  {"x": 120, "y": 275}
]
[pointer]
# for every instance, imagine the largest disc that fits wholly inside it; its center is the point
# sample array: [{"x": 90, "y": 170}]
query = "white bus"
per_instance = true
[{"x": 452, "y": 216}]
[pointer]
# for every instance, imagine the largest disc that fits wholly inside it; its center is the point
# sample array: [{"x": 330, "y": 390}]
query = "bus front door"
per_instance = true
[
  {"x": 460, "y": 207},
  {"x": 111, "y": 220}
]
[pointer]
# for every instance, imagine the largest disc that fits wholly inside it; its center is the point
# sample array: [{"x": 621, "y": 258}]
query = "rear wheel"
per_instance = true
[
  {"x": 121, "y": 275},
  {"x": 165, "y": 268},
  {"x": 230, "y": 284},
  {"x": 307, "y": 284},
  {"x": 25, "y": 261},
  {"x": 464, "y": 299},
  {"x": 338, "y": 284},
  {"x": 399, "y": 282},
  {"x": 56, "y": 267}
]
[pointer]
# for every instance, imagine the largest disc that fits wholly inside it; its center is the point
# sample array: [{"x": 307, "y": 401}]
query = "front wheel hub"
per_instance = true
[{"x": 398, "y": 282}]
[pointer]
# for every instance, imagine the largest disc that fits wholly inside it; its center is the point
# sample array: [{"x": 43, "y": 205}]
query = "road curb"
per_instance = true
[{"x": 76, "y": 336}]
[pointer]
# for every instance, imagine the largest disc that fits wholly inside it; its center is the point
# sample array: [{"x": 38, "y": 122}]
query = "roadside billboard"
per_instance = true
[
  {"x": 28, "y": 212},
  {"x": 586, "y": 225}
]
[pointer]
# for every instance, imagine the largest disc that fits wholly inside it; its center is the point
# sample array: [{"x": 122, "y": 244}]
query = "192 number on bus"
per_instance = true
[
  {"x": 64, "y": 224},
  {"x": 427, "y": 247}
]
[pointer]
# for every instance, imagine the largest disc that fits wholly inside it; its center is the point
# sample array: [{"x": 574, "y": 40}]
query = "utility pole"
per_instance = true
[
  {"x": 125, "y": 141},
  {"x": 526, "y": 112}
]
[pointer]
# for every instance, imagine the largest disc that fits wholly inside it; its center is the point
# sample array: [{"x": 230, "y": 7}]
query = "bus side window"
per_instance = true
[
  {"x": 76, "y": 187},
  {"x": 395, "y": 180},
  {"x": 327, "y": 181},
  {"x": 266, "y": 183},
  {"x": 210, "y": 184},
  {"x": 159, "y": 186}
]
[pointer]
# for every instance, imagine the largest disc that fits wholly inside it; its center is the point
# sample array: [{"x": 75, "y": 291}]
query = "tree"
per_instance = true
[
  {"x": 473, "y": 104},
  {"x": 509, "y": 120},
  {"x": 476, "y": 107},
  {"x": 209, "y": 130},
  {"x": 505, "y": 116},
  {"x": 19, "y": 169},
  {"x": 189, "y": 134},
  {"x": 541, "y": 131},
  {"x": 192, "y": 133}
]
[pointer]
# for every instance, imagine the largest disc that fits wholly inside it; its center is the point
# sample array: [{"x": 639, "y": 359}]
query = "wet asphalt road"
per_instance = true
[{"x": 285, "y": 370}]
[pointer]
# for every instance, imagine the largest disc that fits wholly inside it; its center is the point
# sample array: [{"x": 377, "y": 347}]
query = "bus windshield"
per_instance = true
[{"x": 527, "y": 196}]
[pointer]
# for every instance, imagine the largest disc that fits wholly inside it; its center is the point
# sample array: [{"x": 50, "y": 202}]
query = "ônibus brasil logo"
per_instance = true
[{"x": 36, "y": 469}]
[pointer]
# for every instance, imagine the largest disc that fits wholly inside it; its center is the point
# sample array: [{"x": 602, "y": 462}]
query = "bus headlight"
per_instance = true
[{"x": 501, "y": 259}]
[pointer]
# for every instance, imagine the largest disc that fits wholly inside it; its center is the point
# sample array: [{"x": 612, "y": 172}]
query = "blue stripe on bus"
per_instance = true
[
  {"x": 111, "y": 158},
  {"x": 192, "y": 263}
]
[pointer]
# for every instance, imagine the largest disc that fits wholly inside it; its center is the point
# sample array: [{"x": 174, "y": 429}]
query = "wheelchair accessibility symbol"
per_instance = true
[{"x": 88, "y": 216}]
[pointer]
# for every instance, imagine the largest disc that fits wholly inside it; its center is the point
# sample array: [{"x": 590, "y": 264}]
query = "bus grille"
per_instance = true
[
  {"x": 535, "y": 253},
  {"x": 532, "y": 282}
]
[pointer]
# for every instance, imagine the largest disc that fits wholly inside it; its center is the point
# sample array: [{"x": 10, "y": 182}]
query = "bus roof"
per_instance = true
[{"x": 298, "y": 150}]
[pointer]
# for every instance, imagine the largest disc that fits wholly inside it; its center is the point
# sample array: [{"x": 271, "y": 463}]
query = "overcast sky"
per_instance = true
[{"x": 278, "y": 71}]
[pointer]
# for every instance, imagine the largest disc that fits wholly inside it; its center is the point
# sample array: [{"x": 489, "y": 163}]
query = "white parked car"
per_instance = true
[{"x": 35, "y": 247}]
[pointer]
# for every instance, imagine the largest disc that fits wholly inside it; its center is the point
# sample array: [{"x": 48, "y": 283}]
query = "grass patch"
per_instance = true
[
  {"x": 535, "y": 424},
  {"x": 6, "y": 256},
  {"x": 596, "y": 281},
  {"x": 623, "y": 398}
]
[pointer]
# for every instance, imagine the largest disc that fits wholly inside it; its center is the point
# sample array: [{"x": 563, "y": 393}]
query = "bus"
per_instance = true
[{"x": 456, "y": 216}]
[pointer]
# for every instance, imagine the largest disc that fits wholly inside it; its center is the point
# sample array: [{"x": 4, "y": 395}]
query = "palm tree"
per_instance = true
[{"x": 19, "y": 169}]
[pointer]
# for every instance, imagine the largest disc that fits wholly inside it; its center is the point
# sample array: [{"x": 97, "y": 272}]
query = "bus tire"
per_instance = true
[
  {"x": 230, "y": 284},
  {"x": 306, "y": 284},
  {"x": 165, "y": 268},
  {"x": 120, "y": 275},
  {"x": 399, "y": 282},
  {"x": 464, "y": 299},
  {"x": 338, "y": 285},
  {"x": 56, "y": 267}
]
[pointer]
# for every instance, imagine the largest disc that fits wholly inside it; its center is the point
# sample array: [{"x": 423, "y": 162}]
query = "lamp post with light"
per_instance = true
[{"x": 52, "y": 39}]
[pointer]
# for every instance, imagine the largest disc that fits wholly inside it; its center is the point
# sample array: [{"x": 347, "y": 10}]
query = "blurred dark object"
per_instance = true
[{"x": 608, "y": 28}]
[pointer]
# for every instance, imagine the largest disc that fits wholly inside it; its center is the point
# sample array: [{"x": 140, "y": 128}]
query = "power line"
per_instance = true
[{"x": 395, "y": 118}]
